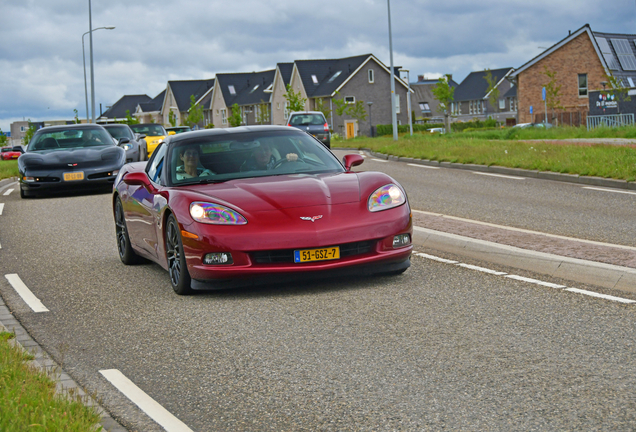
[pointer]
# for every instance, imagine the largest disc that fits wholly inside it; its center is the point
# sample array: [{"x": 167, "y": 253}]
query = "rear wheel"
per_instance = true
[
  {"x": 143, "y": 154},
  {"x": 179, "y": 276},
  {"x": 126, "y": 254}
]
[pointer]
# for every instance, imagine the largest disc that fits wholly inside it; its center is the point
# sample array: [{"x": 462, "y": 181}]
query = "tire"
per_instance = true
[
  {"x": 179, "y": 276},
  {"x": 143, "y": 154},
  {"x": 126, "y": 254}
]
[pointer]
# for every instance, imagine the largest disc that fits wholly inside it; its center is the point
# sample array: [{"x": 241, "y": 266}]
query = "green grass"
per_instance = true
[
  {"x": 8, "y": 168},
  {"x": 494, "y": 147},
  {"x": 28, "y": 400}
]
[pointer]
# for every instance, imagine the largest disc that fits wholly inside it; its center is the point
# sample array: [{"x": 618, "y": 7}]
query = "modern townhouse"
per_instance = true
[
  {"x": 425, "y": 106},
  {"x": 126, "y": 105},
  {"x": 178, "y": 100}
]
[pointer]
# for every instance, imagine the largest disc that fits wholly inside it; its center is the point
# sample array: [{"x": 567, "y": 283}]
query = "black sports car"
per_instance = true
[
  {"x": 69, "y": 157},
  {"x": 134, "y": 144}
]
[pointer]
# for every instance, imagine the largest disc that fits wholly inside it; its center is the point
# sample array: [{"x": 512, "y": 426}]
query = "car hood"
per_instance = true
[
  {"x": 282, "y": 192},
  {"x": 63, "y": 157}
]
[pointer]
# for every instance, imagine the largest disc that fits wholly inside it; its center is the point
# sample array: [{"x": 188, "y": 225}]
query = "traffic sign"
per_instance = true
[{"x": 543, "y": 93}]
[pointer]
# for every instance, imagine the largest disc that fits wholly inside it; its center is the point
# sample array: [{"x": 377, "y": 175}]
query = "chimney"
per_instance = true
[{"x": 421, "y": 78}]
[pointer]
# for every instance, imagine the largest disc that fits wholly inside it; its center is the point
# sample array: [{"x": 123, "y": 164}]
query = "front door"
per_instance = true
[{"x": 351, "y": 129}]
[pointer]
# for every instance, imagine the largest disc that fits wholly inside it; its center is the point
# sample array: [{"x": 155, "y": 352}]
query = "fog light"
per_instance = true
[
  {"x": 401, "y": 240},
  {"x": 218, "y": 258}
]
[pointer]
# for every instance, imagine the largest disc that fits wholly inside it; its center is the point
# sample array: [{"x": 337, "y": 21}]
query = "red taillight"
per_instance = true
[
  {"x": 326, "y": 127},
  {"x": 289, "y": 124}
]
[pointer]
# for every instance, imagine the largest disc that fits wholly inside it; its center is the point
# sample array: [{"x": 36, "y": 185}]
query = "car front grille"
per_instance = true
[{"x": 287, "y": 255}]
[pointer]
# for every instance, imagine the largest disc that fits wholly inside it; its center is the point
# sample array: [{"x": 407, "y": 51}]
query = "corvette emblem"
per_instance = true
[
  {"x": 311, "y": 218},
  {"x": 72, "y": 164}
]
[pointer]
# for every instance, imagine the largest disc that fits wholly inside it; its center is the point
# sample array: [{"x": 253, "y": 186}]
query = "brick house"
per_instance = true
[{"x": 582, "y": 61}]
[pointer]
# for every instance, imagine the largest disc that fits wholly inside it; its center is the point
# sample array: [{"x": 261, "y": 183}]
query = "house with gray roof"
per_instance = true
[
  {"x": 472, "y": 97},
  {"x": 251, "y": 91},
  {"x": 126, "y": 104},
  {"x": 150, "y": 112},
  {"x": 425, "y": 107},
  {"x": 360, "y": 79},
  {"x": 278, "y": 103},
  {"x": 178, "y": 99}
]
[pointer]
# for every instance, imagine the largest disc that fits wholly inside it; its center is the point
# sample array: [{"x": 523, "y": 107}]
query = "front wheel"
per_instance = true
[
  {"x": 126, "y": 254},
  {"x": 179, "y": 276}
]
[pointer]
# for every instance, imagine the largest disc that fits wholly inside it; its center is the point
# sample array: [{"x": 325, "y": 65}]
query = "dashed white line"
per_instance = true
[
  {"x": 1, "y": 208},
  {"x": 603, "y": 296},
  {"x": 8, "y": 191},
  {"x": 147, "y": 404},
  {"x": 525, "y": 279},
  {"x": 422, "y": 166},
  {"x": 535, "y": 281},
  {"x": 379, "y": 160},
  {"x": 499, "y": 175},
  {"x": 26, "y": 294},
  {"x": 609, "y": 190}
]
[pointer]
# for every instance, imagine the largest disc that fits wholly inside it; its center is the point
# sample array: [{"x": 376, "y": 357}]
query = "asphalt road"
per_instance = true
[{"x": 439, "y": 347}]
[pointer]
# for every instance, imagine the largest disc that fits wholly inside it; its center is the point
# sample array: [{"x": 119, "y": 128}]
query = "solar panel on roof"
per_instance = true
[
  {"x": 607, "y": 53},
  {"x": 625, "y": 54}
]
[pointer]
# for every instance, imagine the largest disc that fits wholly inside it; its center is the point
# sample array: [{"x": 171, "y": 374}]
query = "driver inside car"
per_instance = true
[
  {"x": 191, "y": 167},
  {"x": 262, "y": 158}
]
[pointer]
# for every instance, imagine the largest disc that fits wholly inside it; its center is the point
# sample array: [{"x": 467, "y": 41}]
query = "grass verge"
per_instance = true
[
  {"x": 8, "y": 168},
  {"x": 491, "y": 148},
  {"x": 28, "y": 400}
]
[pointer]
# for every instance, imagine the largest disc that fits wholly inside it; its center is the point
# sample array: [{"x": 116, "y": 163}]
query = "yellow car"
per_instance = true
[{"x": 154, "y": 134}]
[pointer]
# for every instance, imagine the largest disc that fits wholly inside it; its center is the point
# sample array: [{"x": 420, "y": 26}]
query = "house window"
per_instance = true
[
  {"x": 582, "y": 85},
  {"x": 397, "y": 103},
  {"x": 502, "y": 104},
  {"x": 371, "y": 76},
  {"x": 424, "y": 107},
  {"x": 350, "y": 99},
  {"x": 223, "y": 116},
  {"x": 23, "y": 128},
  {"x": 277, "y": 105},
  {"x": 314, "y": 78},
  {"x": 232, "y": 90},
  {"x": 286, "y": 110}
]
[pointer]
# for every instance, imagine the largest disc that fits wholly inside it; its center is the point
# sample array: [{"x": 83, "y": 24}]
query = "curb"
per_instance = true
[
  {"x": 544, "y": 175},
  {"x": 573, "y": 269}
]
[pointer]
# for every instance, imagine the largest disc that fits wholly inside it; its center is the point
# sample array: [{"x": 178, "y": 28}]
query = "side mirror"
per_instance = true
[
  {"x": 172, "y": 133},
  {"x": 139, "y": 136},
  {"x": 124, "y": 141},
  {"x": 18, "y": 148},
  {"x": 139, "y": 179},
  {"x": 352, "y": 160}
]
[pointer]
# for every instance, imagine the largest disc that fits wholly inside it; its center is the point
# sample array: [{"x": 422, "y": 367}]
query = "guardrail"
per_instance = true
[{"x": 614, "y": 120}]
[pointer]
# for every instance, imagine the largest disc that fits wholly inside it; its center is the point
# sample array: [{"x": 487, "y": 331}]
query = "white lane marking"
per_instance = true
[
  {"x": 525, "y": 230},
  {"x": 535, "y": 281},
  {"x": 26, "y": 294},
  {"x": 434, "y": 258},
  {"x": 603, "y": 296},
  {"x": 525, "y": 279},
  {"x": 422, "y": 166},
  {"x": 481, "y": 269},
  {"x": 379, "y": 160},
  {"x": 1, "y": 208},
  {"x": 147, "y": 404},
  {"x": 499, "y": 175},
  {"x": 609, "y": 190},
  {"x": 8, "y": 191}
]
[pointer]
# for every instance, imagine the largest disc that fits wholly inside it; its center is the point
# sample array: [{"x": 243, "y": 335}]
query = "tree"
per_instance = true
[
  {"x": 294, "y": 100},
  {"x": 357, "y": 111},
  {"x": 262, "y": 116},
  {"x": 76, "y": 118},
  {"x": 3, "y": 138},
  {"x": 444, "y": 94},
  {"x": 320, "y": 106},
  {"x": 130, "y": 119},
  {"x": 552, "y": 91},
  {"x": 492, "y": 91},
  {"x": 195, "y": 113},
  {"x": 236, "y": 118},
  {"x": 172, "y": 118},
  {"x": 616, "y": 89},
  {"x": 29, "y": 133}
]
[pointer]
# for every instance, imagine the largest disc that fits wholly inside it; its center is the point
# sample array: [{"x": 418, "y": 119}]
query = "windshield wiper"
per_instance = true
[{"x": 209, "y": 180}]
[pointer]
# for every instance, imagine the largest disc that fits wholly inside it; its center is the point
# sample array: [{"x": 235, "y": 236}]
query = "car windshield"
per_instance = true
[
  {"x": 119, "y": 132},
  {"x": 149, "y": 130},
  {"x": 307, "y": 120},
  {"x": 70, "y": 138},
  {"x": 219, "y": 158}
]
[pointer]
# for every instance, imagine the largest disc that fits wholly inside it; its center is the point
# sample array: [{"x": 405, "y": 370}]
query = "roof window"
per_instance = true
[
  {"x": 335, "y": 76},
  {"x": 231, "y": 89}
]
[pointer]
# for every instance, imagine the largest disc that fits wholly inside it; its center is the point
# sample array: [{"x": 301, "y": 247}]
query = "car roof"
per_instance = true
[
  {"x": 231, "y": 131},
  {"x": 73, "y": 126}
]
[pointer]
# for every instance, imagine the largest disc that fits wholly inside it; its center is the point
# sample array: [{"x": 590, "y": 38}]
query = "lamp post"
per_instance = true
[
  {"x": 370, "y": 121},
  {"x": 393, "y": 113},
  {"x": 84, "y": 60},
  {"x": 408, "y": 98}
]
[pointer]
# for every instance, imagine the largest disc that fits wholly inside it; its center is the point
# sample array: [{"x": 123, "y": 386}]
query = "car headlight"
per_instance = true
[
  {"x": 127, "y": 146},
  {"x": 215, "y": 214},
  {"x": 386, "y": 197}
]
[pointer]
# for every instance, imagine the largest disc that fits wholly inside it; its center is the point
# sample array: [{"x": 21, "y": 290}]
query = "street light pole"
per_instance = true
[
  {"x": 393, "y": 113},
  {"x": 408, "y": 98},
  {"x": 84, "y": 60},
  {"x": 90, "y": 38}
]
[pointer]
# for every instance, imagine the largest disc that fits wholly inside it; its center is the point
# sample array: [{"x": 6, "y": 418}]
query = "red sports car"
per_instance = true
[
  {"x": 9, "y": 153},
  {"x": 227, "y": 207}
]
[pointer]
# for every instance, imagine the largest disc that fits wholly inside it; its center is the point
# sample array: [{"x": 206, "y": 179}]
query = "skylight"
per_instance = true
[
  {"x": 314, "y": 78},
  {"x": 335, "y": 76},
  {"x": 231, "y": 89},
  {"x": 254, "y": 89}
]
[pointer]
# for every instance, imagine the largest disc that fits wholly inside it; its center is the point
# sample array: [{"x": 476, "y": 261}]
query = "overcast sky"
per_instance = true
[{"x": 42, "y": 74}]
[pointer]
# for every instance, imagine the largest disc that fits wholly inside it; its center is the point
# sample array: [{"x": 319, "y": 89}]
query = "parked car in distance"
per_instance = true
[
  {"x": 136, "y": 149},
  {"x": 155, "y": 134},
  {"x": 533, "y": 125},
  {"x": 178, "y": 129},
  {"x": 312, "y": 122},
  {"x": 9, "y": 153},
  {"x": 69, "y": 157},
  {"x": 220, "y": 208},
  {"x": 437, "y": 130}
]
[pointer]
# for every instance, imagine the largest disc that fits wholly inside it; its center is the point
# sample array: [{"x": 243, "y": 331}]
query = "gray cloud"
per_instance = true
[{"x": 41, "y": 71}]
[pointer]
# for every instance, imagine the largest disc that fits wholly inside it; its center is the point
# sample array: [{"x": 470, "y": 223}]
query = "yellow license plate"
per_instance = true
[
  {"x": 307, "y": 255},
  {"x": 74, "y": 176}
]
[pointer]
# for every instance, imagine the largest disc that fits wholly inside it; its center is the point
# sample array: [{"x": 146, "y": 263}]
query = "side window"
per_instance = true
[
  {"x": 371, "y": 76},
  {"x": 155, "y": 165},
  {"x": 582, "y": 85}
]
